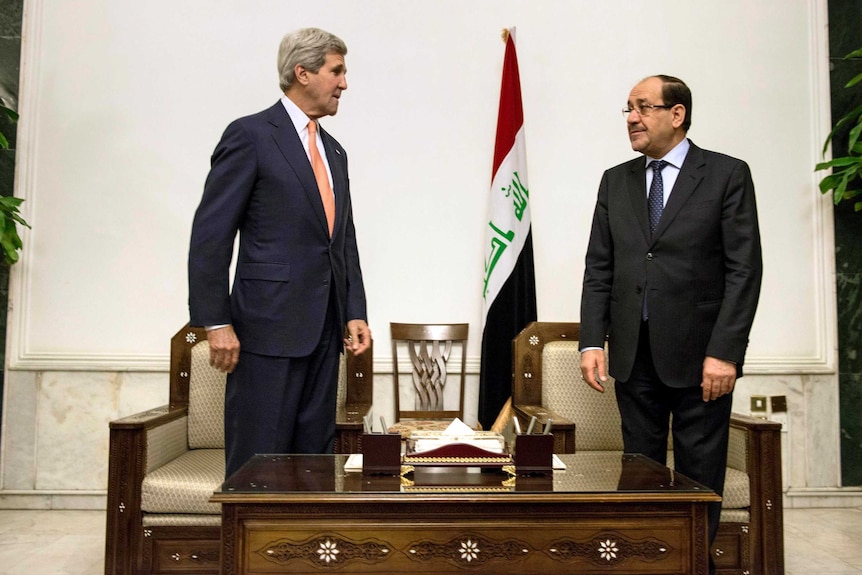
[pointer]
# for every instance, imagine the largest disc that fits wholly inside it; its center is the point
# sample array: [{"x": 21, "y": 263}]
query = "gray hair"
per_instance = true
[{"x": 307, "y": 47}]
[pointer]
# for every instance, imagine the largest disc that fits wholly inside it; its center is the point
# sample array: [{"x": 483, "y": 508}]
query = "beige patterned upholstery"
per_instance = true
[
  {"x": 166, "y": 442},
  {"x": 598, "y": 418},
  {"x": 185, "y": 484},
  {"x": 564, "y": 391},
  {"x": 180, "y": 520},
  {"x": 408, "y": 426},
  {"x": 206, "y": 401}
]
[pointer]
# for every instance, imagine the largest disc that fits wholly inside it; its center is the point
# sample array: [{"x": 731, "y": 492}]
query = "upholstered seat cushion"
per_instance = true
[
  {"x": 180, "y": 520},
  {"x": 185, "y": 484},
  {"x": 408, "y": 426}
]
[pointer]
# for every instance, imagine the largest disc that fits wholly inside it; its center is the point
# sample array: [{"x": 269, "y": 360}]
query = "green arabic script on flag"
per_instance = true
[{"x": 500, "y": 239}]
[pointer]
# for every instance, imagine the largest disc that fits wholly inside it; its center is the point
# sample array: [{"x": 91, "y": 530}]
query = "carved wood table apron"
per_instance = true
[{"x": 604, "y": 513}]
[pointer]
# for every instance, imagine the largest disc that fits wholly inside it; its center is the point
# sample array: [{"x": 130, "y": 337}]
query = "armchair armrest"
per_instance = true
[
  {"x": 763, "y": 465},
  {"x": 358, "y": 377},
  {"x": 128, "y": 462},
  {"x": 349, "y": 425}
]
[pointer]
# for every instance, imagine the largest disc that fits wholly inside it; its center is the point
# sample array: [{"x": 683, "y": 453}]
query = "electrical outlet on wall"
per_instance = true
[
  {"x": 778, "y": 410},
  {"x": 759, "y": 406},
  {"x": 778, "y": 403}
]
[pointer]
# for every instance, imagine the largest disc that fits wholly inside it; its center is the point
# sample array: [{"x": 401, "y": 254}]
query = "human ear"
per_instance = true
[
  {"x": 301, "y": 74},
  {"x": 678, "y": 112}
]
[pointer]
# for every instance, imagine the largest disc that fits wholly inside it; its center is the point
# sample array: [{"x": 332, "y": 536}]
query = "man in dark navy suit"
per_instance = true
[
  {"x": 672, "y": 281},
  {"x": 280, "y": 181}
]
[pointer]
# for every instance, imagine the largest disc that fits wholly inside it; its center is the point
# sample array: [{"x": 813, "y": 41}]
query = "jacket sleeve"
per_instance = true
[
  {"x": 598, "y": 275},
  {"x": 226, "y": 193},
  {"x": 356, "y": 304},
  {"x": 743, "y": 265}
]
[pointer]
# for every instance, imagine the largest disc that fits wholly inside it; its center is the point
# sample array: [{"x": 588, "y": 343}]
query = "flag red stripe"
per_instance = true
[{"x": 511, "y": 114}]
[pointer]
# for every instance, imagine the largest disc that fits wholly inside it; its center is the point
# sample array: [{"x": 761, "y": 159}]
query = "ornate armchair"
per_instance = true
[
  {"x": 547, "y": 384},
  {"x": 165, "y": 464}
]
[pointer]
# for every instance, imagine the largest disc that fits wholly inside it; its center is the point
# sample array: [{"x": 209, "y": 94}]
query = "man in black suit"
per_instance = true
[
  {"x": 297, "y": 280},
  {"x": 672, "y": 281}
]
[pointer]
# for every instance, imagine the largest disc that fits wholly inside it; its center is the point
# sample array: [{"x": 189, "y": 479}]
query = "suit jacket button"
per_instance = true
[
  {"x": 326, "y": 282},
  {"x": 638, "y": 289},
  {"x": 649, "y": 257}
]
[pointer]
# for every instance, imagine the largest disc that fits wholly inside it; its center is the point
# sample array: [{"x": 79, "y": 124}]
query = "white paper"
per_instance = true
[{"x": 458, "y": 429}]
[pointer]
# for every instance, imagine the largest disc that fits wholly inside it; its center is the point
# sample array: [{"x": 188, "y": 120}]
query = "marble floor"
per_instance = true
[{"x": 822, "y": 541}]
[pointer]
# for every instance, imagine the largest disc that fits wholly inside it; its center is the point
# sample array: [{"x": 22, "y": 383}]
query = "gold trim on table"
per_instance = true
[
  {"x": 455, "y": 489},
  {"x": 458, "y": 460}
]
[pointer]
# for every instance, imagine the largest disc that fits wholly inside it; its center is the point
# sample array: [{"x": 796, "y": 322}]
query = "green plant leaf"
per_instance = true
[
  {"x": 4, "y": 143},
  {"x": 846, "y": 170},
  {"x": 20, "y": 220},
  {"x": 853, "y": 137},
  {"x": 9, "y": 112},
  {"x": 853, "y": 82},
  {"x": 841, "y": 192},
  {"x": 11, "y": 202},
  {"x": 838, "y": 162},
  {"x": 828, "y": 183},
  {"x": 853, "y": 116},
  {"x": 10, "y": 245}
]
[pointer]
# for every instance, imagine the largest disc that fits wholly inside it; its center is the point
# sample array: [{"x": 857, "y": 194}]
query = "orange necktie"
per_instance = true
[{"x": 321, "y": 176}]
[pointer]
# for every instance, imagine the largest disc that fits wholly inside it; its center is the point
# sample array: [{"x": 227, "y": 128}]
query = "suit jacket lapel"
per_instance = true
[
  {"x": 290, "y": 146},
  {"x": 690, "y": 175},
  {"x": 335, "y": 157},
  {"x": 637, "y": 194}
]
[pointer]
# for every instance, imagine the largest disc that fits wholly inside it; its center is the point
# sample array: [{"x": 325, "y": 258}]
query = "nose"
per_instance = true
[{"x": 343, "y": 83}]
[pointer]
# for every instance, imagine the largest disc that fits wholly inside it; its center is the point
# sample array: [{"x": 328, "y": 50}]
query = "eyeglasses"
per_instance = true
[{"x": 645, "y": 109}]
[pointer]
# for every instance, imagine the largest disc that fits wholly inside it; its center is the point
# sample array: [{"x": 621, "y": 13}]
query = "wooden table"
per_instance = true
[{"x": 602, "y": 514}]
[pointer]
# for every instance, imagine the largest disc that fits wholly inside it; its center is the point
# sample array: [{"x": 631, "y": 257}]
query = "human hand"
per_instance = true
[
  {"x": 224, "y": 348},
  {"x": 719, "y": 378},
  {"x": 359, "y": 336},
  {"x": 594, "y": 369}
]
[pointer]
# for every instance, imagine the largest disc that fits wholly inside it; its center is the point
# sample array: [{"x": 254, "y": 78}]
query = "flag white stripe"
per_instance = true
[{"x": 506, "y": 233}]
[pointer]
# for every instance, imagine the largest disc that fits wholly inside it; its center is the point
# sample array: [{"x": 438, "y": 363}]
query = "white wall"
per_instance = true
[{"x": 122, "y": 103}]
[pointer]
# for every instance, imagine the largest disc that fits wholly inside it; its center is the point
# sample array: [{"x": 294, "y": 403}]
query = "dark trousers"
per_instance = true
[
  {"x": 283, "y": 404},
  {"x": 700, "y": 429}
]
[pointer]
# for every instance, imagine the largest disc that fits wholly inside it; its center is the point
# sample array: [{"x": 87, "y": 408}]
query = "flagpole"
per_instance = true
[{"x": 509, "y": 289}]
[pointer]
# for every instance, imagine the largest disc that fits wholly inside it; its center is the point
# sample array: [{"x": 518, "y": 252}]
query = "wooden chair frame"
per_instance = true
[
  {"x": 131, "y": 549},
  {"x": 759, "y": 544},
  {"x": 456, "y": 333}
]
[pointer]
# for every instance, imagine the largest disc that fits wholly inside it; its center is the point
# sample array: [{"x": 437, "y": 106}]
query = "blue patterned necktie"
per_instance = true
[{"x": 655, "y": 201}]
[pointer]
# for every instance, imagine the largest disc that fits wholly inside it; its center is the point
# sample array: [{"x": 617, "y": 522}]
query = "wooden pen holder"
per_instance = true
[
  {"x": 381, "y": 453},
  {"x": 534, "y": 454}
]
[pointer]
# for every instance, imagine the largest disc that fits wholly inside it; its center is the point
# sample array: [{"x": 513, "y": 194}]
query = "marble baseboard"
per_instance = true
[
  {"x": 42, "y": 500},
  {"x": 810, "y": 498}
]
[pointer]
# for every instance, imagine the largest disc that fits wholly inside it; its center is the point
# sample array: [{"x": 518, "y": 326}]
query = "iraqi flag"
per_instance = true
[{"x": 509, "y": 286}]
